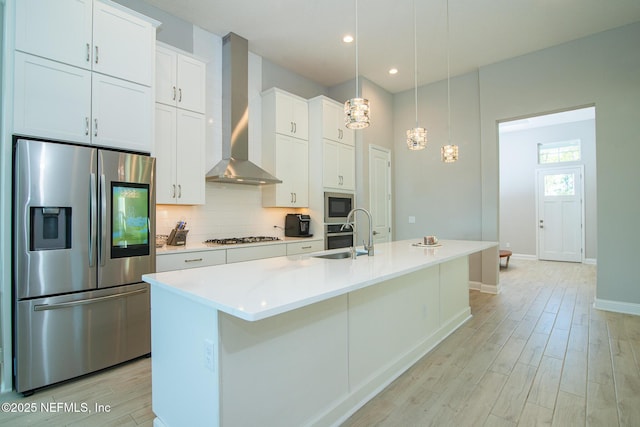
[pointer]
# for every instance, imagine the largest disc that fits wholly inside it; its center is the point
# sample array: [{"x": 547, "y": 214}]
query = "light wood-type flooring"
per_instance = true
[{"x": 537, "y": 354}]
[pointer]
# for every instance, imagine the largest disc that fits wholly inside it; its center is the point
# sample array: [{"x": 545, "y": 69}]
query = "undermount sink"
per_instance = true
[{"x": 338, "y": 255}]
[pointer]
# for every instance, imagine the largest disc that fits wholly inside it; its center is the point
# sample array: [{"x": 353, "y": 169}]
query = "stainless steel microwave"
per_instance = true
[{"x": 337, "y": 206}]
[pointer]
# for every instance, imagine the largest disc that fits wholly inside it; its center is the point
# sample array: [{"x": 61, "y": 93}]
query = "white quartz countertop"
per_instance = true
[{"x": 255, "y": 290}]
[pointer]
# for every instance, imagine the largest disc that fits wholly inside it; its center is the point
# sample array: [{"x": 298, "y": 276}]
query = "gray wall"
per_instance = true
[
  {"x": 602, "y": 70},
  {"x": 275, "y": 76},
  {"x": 444, "y": 198},
  {"x": 518, "y": 165}
]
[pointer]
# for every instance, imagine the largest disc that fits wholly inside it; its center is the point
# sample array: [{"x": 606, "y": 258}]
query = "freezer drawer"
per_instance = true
[{"x": 59, "y": 338}]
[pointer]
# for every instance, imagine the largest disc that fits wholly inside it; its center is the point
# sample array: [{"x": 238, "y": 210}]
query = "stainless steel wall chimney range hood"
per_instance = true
[{"x": 235, "y": 166}]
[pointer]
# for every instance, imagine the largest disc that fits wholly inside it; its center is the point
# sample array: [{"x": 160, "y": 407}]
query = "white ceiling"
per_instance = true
[{"x": 304, "y": 36}]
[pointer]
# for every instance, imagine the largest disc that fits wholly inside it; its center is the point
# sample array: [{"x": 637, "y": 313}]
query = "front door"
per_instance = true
[
  {"x": 380, "y": 193},
  {"x": 560, "y": 231}
]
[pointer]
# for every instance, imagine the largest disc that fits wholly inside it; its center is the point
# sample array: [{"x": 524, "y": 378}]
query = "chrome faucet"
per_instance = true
[{"x": 367, "y": 247}]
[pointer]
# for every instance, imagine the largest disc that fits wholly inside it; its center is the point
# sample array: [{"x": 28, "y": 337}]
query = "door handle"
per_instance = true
[
  {"x": 375, "y": 233},
  {"x": 95, "y": 127},
  {"x": 174, "y": 93},
  {"x": 86, "y": 126},
  {"x": 103, "y": 221},
  {"x": 180, "y": 95},
  {"x": 173, "y": 196},
  {"x": 179, "y": 191},
  {"x": 43, "y": 307},
  {"x": 88, "y": 52},
  {"x": 96, "y": 54},
  {"x": 93, "y": 218}
]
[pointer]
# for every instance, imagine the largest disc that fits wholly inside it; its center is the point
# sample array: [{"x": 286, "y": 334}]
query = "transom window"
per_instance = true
[{"x": 559, "y": 152}]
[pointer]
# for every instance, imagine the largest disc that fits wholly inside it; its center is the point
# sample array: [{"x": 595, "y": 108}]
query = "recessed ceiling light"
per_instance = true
[
  {"x": 348, "y": 38},
  {"x": 393, "y": 71}
]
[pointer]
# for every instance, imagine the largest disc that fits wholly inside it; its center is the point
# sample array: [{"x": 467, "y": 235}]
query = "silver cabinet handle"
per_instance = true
[
  {"x": 43, "y": 307},
  {"x": 179, "y": 191},
  {"x": 180, "y": 95},
  {"x": 174, "y": 93},
  {"x": 295, "y": 127},
  {"x": 86, "y": 126},
  {"x": 295, "y": 197},
  {"x": 193, "y": 260},
  {"x": 306, "y": 247},
  {"x": 291, "y": 127},
  {"x": 96, "y": 54},
  {"x": 173, "y": 196},
  {"x": 88, "y": 52},
  {"x": 95, "y": 127}
]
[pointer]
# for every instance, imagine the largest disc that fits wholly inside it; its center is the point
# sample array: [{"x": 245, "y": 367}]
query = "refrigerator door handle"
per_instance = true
[
  {"x": 93, "y": 221},
  {"x": 103, "y": 221},
  {"x": 43, "y": 307}
]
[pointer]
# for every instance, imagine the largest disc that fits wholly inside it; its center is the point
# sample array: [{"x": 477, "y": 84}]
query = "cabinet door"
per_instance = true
[
  {"x": 284, "y": 113},
  {"x": 190, "y": 155},
  {"x": 166, "y": 68},
  {"x": 346, "y": 167},
  {"x": 191, "y": 84},
  {"x": 330, "y": 121},
  {"x": 300, "y": 111},
  {"x": 330, "y": 163},
  {"x": 165, "y": 153},
  {"x": 51, "y": 100},
  {"x": 59, "y": 30},
  {"x": 292, "y": 167},
  {"x": 122, "y": 114},
  {"x": 123, "y": 45}
]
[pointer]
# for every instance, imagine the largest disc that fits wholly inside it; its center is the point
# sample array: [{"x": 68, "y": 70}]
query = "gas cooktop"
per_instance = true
[{"x": 240, "y": 240}]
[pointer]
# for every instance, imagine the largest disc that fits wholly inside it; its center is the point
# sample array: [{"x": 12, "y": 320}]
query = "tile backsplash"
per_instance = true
[{"x": 231, "y": 210}]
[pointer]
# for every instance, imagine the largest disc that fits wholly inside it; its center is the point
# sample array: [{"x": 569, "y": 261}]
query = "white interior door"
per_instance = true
[
  {"x": 380, "y": 193},
  {"x": 560, "y": 214}
]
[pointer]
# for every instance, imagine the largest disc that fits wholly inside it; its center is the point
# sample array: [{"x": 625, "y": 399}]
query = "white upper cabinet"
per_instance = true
[
  {"x": 179, "y": 151},
  {"x": 60, "y": 30},
  {"x": 87, "y": 34},
  {"x": 338, "y": 166},
  {"x": 333, "y": 127},
  {"x": 180, "y": 80},
  {"x": 83, "y": 73},
  {"x": 121, "y": 114},
  {"x": 123, "y": 44},
  {"x": 51, "y": 100},
  {"x": 291, "y": 113}
]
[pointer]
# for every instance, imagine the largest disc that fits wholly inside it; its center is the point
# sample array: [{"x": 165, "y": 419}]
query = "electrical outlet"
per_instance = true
[
  {"x": 412, "y": 220},
  {"x": 208, "y": 355}
]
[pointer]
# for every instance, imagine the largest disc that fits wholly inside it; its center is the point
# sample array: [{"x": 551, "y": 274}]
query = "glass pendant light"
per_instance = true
[
  {"x": 356, "y": 109},
  {"x": 448, "y": 153},
  {"x": 416, "y": 137}
]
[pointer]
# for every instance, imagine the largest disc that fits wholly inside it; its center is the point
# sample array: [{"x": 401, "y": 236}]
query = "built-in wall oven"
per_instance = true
[
  {"x": 337, "y": 206},
  {"x": 335, "y": 237}
]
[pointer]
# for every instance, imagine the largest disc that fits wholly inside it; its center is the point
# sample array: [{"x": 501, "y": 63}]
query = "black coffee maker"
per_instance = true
[{"x": 297, "y": 225}]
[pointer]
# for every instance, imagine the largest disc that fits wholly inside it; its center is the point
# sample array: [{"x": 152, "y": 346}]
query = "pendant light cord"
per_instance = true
[
  {"x": 448, "y": 82},
  {"x": 415, "y": 61},
  {"x": 357, "y": 36}
]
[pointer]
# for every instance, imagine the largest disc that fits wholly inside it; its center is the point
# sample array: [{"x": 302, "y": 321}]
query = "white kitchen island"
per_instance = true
[{"x": 300, "y": 340}]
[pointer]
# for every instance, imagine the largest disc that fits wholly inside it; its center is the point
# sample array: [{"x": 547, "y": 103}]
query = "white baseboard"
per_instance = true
[
  {"x": 590, "y": 261},
  {"x": 617, "y": 306},
  {"x": 525, "y": 256},
  {"x": 486, "y": 289}
]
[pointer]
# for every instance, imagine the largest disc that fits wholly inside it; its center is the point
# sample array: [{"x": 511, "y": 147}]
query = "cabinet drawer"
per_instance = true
[
  {"x": 304, "y": 247},
  {"x": 255, "y": 252},
  {"x": 183, "y": 261}
]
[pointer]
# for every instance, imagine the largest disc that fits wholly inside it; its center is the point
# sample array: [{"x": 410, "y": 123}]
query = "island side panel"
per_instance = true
[
  {"x": 390, "y": 325},
  {"x": 454, "y": 293},
  {"x": 184, "y": 379},
  {"x": 284, "y": 369}
]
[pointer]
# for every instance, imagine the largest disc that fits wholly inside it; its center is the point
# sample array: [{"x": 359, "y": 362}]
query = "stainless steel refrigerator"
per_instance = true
[{"x": 84, "y": 234}]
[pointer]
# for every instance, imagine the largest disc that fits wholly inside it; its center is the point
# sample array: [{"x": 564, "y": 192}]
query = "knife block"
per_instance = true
[{"x": 177, "y": 238}]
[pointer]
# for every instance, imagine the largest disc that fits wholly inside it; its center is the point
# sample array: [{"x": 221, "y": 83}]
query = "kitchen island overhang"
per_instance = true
[{"x": 300, "y": 340}]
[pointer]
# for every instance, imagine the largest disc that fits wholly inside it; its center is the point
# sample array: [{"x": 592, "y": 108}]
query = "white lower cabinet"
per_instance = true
[
  {"x": 180, "y": 154},
  {"x": 305, "y": 247},
  {"x": 255, "y": 252},
  {"x": 181, "y": 261}
]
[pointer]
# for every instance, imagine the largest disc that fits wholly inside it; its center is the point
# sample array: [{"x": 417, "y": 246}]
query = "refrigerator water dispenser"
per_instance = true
[{"x": 50, "y": 228}]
